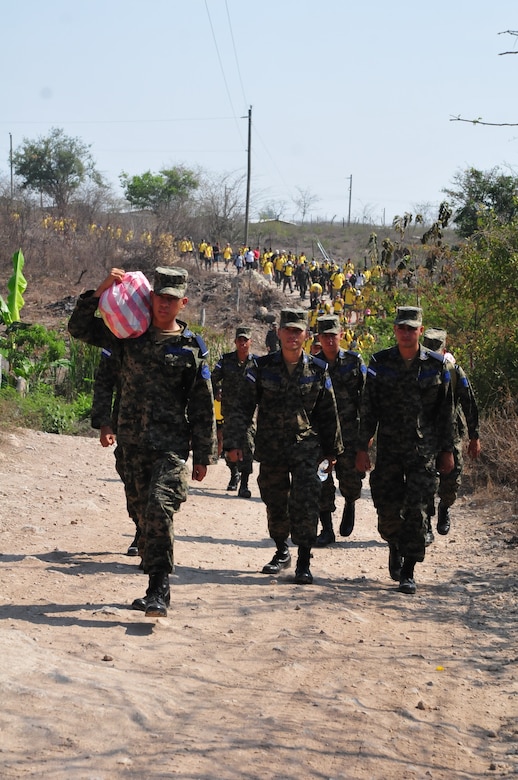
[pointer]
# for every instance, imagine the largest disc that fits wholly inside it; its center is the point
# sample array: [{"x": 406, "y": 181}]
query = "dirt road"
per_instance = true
[{"x": 249, "y": 677}]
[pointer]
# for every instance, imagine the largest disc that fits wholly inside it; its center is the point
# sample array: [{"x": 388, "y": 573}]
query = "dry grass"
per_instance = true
[{"x": 496, "y": 471}]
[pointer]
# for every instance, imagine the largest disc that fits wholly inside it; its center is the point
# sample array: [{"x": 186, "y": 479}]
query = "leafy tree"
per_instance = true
[
  {"x": 159, "y": 192},
  {"x": 55, "y": 166},
  {"x": 477, "y": 193},
  {"x": 479, "y": 309}
]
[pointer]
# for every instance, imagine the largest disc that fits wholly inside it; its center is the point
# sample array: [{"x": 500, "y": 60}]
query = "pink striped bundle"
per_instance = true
[{"x": 126, "y": 307}]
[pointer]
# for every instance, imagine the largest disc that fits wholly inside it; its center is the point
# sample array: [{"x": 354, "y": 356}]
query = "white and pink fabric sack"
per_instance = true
[{"x": 126, "y": 307}]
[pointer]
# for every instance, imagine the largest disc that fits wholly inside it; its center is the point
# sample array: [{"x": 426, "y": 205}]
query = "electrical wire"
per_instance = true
[{"x": 223, "y": 71}]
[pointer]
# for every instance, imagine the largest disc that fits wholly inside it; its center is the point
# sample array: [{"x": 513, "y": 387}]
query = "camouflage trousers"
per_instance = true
[
  {"x": 402, "y": 487},
  {"x": 156, "y": 483},
  {"x": 349, "y": 482},
  {"x": 245, "y": 466},
  {"x": 119, "y": 467},
  {"x": 291, "y": 492},
  {"x": 448, "y": 484}
]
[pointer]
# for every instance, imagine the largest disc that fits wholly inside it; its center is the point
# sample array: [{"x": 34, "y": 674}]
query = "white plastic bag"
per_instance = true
[{"x": 126, "y": 307}]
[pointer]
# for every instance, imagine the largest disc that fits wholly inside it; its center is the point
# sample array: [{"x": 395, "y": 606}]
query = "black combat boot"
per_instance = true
[
  {"x": 281, "y": 559},
  {"x": 143, "y": 603},
  {"x": 133, "y": 548},
  {"x": 443, "y": 519},
  {"x": 234, "y": 477},
  {"x": 303, "y": 574},
  {"x": 406, "y": 578},
  {"x": 159, "y": 591},
  {"x": 244, "y": 491},
  {"x": 327, "y": 535},
  {"x": 395, "y": 562},
  {"x": 429, "y": 537},
  {"x": 347, "y": 524}
]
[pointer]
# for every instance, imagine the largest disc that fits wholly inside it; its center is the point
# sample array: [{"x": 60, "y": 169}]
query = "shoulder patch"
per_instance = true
[
  {"x": 205, "y": 371},
  {"x": 319, "y": 362},
  {"x": 201, "y": 344},
  {"x": 105, "y": 352},
  {"x": 437, "y": 355}
]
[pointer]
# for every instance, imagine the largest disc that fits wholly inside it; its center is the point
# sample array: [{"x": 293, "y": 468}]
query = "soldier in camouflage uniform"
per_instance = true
[
  {"x": 297, "y": 421},
  {"x": 466, "y": 417},
  {"x": 228, "y": 375},
  {"x": 105, "y": 408},
  {"x": 347, "y": 371},
  {"x": 166, "y": 409},
  {"x": 408, "y": 401}
]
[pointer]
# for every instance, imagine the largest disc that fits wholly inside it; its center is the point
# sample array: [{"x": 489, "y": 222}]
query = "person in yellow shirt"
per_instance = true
[
  {"x": 337, "y": 282},
  {"x": 315, "y": 293},
  {"x": 201, "y": 250},
  {"x": 287, "y": 275},
  {"x": 208, "y": 256},
  {"x": 278, "y": 265},
  {"x": 338, "y": 305},
  {"x": 227, "y": 256},
  {"x": 268, "y": 270}
]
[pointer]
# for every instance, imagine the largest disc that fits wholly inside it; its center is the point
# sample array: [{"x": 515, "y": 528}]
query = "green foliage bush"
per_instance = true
[{"x": 42, "y": 410}]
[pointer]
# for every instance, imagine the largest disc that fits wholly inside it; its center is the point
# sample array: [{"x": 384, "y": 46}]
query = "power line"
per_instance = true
[
  {"x": 118, "y": 121},
  {"x": 235, "y": 53},
  {"x": 222, "y": 70}
]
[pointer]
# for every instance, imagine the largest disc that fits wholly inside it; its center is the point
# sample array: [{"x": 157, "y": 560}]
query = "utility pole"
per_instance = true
[
  {"x": 248, "y": 174},
  {"x": 350, "y": 194},
  {"x": 11, "y": 162}
]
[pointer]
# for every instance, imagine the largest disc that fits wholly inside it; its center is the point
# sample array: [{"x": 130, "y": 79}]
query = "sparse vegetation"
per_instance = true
[{"x": 464, "y": 285}]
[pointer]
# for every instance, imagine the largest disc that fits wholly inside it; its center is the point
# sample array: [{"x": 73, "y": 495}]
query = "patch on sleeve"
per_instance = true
[
  {"x": 328, "y": 383},
  {"x": 205, "y": 372}
]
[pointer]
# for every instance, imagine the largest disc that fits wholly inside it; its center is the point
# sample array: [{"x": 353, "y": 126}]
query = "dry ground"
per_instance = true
[{"x": 249, "y": 677}]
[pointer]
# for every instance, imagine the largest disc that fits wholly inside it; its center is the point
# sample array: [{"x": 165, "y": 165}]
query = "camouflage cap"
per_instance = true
[
  {"x": 294, "y": 318},
  {"x": 329, "y": 323},
  {"x": 170, "y": 281},
  {"x": 244, "y": 331},
  {"x": 409, "y": 315},
  {"x": 435, "y": 339}
]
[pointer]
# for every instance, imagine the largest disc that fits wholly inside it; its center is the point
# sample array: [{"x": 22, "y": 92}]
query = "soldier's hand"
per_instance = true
[
  {"x": 362, "y": 462},
  {"x": 445, "y": 462},
  {"x": 235, "y": 456},
  {"x": 107, "y": 436},
  {"x": 199, "y": 472},
  {"x": 116, "y": 275},
  {"x": 474, "y": 448},
  {"x": 331, "y": 461}
]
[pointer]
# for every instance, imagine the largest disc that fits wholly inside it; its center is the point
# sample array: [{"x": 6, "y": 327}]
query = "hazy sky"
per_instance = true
[{"x": 337, "y": 89}]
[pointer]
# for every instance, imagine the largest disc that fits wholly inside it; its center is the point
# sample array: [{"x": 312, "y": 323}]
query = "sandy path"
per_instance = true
[{"x": 249, "y": 677}]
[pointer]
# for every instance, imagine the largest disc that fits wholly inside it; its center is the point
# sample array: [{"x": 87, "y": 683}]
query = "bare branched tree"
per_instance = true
[{"x": 479, "y": 120}]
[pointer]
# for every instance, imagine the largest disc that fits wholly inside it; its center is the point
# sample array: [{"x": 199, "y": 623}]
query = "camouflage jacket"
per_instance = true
[
  {"x": 105, "y": 407},
  {"x": 293, "y": 411},
  {"x": 410, "y": 408},
  {"x": 229, "y": 376},
  {"x": 466, "y": 409},
  {"x": 348, "y": 377},
  {"x": 166, "y": 400}
]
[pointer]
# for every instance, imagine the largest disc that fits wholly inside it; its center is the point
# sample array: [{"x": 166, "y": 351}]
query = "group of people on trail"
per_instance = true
[{"x": 290, "y": 410}]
